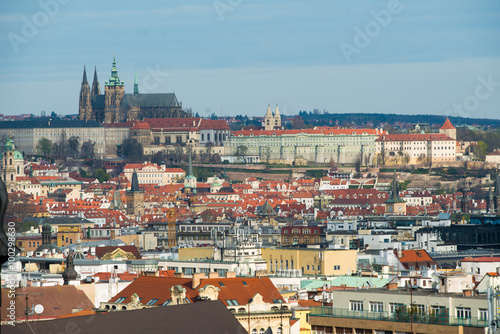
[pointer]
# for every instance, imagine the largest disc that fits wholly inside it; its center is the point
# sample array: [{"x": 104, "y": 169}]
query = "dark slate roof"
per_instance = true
[
  {"x": 394, "y": 198},
  {"x": 266, "y": 210},
  {"x": 202, "y": 317},
  {"x": 150, "y": 100},
  {"x": 98, "y": 102},
  {"x": 48, "y": 123},
  {"x": 134, "y": 187}
]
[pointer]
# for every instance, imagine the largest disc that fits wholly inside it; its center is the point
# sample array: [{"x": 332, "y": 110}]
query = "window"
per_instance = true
[
  {"x": 483, "y": 314},
  {"x": 232, "y": 302},
  {"x": 261, "y": 331},
  {"x": 254, "y": 331},
  {"x": 356, "y": 305},
  {"x": 420, "y": 309},
  {"x": 393, "y": 307},
  {"x": 376, "y": 307},
  {"x": 336, "y": 267},
  {"x": 463, "y": 312},
  {"x": 152, "y": 302},
  {"x": 120, "y": 300},
  {"x": 166, "y": 303}
]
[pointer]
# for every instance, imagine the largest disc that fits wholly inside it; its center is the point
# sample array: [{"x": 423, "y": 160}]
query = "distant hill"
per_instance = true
[{"x": 376, "y": 119}]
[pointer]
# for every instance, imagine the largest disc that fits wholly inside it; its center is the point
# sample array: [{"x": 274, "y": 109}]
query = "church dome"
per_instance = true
[
  {"x": 46, "y": 228},
  {"x": 18, "y": 155}
]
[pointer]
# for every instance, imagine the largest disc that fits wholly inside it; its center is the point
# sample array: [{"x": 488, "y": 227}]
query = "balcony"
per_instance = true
[{"x": 442, "y": 318}]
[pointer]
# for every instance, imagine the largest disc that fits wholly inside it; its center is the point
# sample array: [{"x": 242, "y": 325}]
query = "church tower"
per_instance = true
[
  {"x": 269, "y": 119},
  {"x": 135, "y": 198},
  {"x": 448, "y": 129},
  {"x": 95, "y": 84},
  {"x": 277, "y": 118},
  {"x": 190, "y": 180},
  {"x": 12, "y": 165},
  {"x": 85, "y": 105},
  {"x": 114, "y": 91},
  {"x": 395, "y": 205}
]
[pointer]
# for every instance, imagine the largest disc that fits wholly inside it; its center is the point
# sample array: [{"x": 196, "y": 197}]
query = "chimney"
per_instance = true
[
  {"x": 178, "y": 275},
  {"x": 230, "y": 274},
  {"x": 392, "y": 286},
  {"x": 213, "y": 275},
  {"x": 400, "y": 253},
  {"x": 197, "y": 279},
  {"x": 467, "y": 292}
]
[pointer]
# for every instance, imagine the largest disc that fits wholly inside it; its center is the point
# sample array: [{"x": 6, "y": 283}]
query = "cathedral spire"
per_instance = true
[
  {"x": 95, "y": 84},
  {"x": 136, "y": 85},
  {"x": 84, "y": 80}
]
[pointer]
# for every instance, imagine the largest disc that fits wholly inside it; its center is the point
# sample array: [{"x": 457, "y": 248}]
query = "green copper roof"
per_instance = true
[
  {"x": 18, "y": 155},
  {"x": 114, "y": 80},
  {"x": 136, "y": 85},
  {"x": 9, "y": 145}
]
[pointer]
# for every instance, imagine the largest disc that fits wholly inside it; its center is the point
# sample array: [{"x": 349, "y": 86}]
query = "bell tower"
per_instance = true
[{"x": 114, "y": 91}]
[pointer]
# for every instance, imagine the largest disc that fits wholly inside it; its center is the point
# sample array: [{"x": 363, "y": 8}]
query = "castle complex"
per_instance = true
[{"x": 114, "y": 106}]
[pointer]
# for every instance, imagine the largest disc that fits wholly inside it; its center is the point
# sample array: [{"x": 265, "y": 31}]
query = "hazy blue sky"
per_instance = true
[{"x": 236, "y": 56}]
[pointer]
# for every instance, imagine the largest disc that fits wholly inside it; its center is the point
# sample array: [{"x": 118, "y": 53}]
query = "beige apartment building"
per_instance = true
[
  {"x": 415, "y": 148},
  {"x": 382, "y": 310},
  {"x": 151, "y": 173},
  {"x": 28, "y": 133}
]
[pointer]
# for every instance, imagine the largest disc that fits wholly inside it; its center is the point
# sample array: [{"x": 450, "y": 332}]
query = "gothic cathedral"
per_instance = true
[{"x": 114, "y": 106}]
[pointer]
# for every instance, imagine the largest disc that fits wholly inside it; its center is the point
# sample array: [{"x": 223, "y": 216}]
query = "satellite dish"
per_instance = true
[{"x": 39, "y": 309}]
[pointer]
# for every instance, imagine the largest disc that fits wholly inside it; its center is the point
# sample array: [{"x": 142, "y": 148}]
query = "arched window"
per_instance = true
[
  {"x": 202, "y": 137},
  {"x": 254, "y": 331},
  {"x": 208, "y": 136},
  {"x": 261, "y": 331},
  {"x": 278, "y": 331}
]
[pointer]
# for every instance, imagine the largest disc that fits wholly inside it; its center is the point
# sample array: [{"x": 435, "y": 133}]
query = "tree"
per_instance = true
[
  {"x": 298, "y": 122},
  {"x": 357, "y": 164},
  {"x": 101, "y": 175},
  {"x": 158, "y": 158},
  {"x": 44, "y": 146},
  {"x": 210, "y": 146},
  {"x": 267, "y": 153},
  {"x": 241, "y": 152},
  {"x": 87, "y": 150},
  {"x": 61, "y": 148},
  {"x": 74, "y": 145},
  {"x": 480, "y": 150},
  {"x": 132, "y": 150}
]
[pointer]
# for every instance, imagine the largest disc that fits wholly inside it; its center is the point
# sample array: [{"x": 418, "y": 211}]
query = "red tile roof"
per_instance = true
[
  {"x": 447, "y": 125},
  {"x": 483, "y": 259},
  {"x": 101, "y": 251},
  {"x": 56, "y": 300},
  {"x": 414, "y": 137},
  {"x": 318, "y": 131},
  {"x": 241, "y": 289}
]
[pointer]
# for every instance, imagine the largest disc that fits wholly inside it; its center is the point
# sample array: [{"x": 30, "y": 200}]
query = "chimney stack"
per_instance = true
[{"x": 197, "y": 279}]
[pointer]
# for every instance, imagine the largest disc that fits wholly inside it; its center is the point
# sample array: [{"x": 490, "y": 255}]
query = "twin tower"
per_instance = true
[
  {"x": 114, "y": 106},
  {"x": 272, "y": 121}
]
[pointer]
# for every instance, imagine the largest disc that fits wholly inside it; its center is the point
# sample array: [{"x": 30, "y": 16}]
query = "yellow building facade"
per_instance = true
[{"x": 311, "y": 261}]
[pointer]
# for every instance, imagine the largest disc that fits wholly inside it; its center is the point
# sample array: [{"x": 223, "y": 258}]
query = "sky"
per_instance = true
[{"x": 233, "y": 57}]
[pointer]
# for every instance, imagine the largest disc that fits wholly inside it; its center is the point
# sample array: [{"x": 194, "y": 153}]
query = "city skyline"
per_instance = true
[{"x": 236, "y": 57}]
